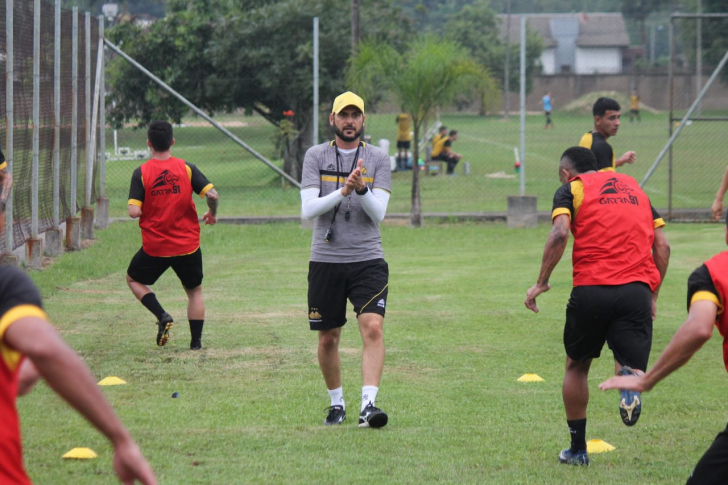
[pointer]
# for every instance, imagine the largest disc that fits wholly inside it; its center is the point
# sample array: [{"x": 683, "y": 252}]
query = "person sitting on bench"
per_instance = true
[{"x": 442, "y": 150}]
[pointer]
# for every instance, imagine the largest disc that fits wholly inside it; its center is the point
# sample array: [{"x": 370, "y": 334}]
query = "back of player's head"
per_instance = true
[
  {"x": 443, "y": 128},
  {"x": 453, "y": 132},
  {"x": 159, "y": 134},
  {"x": 602, "y": 105},
  {"x": 582, "y": 159}
]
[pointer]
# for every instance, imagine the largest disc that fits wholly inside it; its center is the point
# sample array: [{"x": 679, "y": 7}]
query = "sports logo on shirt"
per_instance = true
[
  {"x": 615, "y": 192},
  {"x": 167, "y": 181}
]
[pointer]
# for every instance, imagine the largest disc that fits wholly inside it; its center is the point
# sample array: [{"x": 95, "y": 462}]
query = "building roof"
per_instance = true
[{"x": 595, "y": 29}]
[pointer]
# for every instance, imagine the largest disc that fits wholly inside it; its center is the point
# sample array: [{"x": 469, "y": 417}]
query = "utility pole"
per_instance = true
[{"x": 506, "y": 73}]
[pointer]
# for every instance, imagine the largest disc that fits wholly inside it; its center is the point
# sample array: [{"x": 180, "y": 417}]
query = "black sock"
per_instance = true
[
  {"x": 578, "y": 434},
  {"x": 150, "y": 302},
  {"x": 196, "y": 328}
]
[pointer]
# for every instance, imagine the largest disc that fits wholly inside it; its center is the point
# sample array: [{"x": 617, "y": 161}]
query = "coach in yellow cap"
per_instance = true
[{"x": 345, "y": 188}]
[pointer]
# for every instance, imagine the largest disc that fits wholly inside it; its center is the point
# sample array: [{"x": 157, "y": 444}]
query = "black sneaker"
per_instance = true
[
  {"x": 195, "y": 344},
  {"x": 337, "y": 415},
  {"x": 372, "y": 417},
  {"x": 163, "y": 325}
]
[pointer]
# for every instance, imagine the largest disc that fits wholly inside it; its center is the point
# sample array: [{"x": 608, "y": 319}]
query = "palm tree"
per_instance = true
[{"x": 428, "y": 75}]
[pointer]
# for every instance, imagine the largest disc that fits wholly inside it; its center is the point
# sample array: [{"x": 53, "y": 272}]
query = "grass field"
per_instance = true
[
  {"x": 249, "y": 188},
  {"x": 457, "y": 334}
]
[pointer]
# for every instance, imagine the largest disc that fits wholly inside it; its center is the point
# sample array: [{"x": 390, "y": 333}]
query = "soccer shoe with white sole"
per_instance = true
[
  {"x": 163, "y": 326},
  {"x": 580, "y": 458},
  {"x": 372, "y": 417},
  {"x": 630, "y": 402},
  {"x": 337, "y": 415}
]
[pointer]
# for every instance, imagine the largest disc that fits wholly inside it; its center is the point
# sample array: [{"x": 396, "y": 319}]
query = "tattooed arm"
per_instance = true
[{"x": 210, "y": 216}]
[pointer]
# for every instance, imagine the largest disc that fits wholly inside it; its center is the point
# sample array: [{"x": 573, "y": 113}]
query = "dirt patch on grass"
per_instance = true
[{"x": 583, "y": 104}]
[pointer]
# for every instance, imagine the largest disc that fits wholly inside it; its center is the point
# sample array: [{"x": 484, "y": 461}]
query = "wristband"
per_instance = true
[{"x": 362, "y": 191}]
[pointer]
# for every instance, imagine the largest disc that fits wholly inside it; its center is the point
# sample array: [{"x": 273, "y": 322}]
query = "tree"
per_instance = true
[
  {"x": 251, "y": 54},
  {"x": 639, "y": 10},
  {"x": 714, "y": 38},
  {"x": 429, "y": 74},
  {"x": 477, "y": 28}
]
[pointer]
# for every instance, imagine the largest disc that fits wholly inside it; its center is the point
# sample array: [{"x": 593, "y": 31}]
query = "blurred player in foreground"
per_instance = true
[
  {"x": 31, "y": 348},
  {"x": 707, "y": 293},
  {"x": 620, "y": 257}
]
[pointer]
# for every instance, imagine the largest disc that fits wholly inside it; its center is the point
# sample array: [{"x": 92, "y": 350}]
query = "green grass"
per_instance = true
[
  {"x": 457, "y": 335},
  {"x": 249, "y": 188}
]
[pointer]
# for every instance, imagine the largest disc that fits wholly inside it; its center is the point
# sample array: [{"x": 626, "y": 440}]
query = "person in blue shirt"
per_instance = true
[{"x": 546, "y": 102}]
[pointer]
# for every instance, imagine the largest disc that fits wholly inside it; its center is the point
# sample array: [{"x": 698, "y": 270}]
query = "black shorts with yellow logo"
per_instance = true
[
  {"x": 364, "y": 283},
  {"x": 620, "y": 315}
]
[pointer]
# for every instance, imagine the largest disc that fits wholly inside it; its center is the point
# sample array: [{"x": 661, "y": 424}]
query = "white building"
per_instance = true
[{"x": 584, "y": 43}]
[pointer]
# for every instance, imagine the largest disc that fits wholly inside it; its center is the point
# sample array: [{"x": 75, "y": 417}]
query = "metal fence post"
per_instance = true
[
  {"x": 73, "y": 232},
  {"x": 87, "y": 213},
  {"x": 34, "y": 244},
  {"x": 8, "y": 257},
  {"x": 102, "y": 205},
  {"x": 54, "y": 235}
]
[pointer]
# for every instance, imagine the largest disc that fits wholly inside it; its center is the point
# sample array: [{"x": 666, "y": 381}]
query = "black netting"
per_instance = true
[{"x": 22, "y": 153}]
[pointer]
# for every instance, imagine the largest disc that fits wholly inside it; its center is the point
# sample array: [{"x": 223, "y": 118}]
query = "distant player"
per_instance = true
[
  {"x": 634, "y": 107},
  {"x": 442, "y": 150},
  {"x": 707, "y": 297},
  {"x": 606, "y": 124},
  {"x": 161, "y": 198},
  {"x": 620, "y": 257},
  {"x": 546, "y": 102},
  {"x": 404, "y": 139}
]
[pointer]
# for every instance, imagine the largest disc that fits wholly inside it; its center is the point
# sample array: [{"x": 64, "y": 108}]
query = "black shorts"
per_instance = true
[
  {"x": 403, "y": 144},
  {"x": 445, "y": 158},
  {"x": 147, "y": 269},
  {"x": 712, "y": 469},
  {"x": 620, "y": 315},
  {"x": 364, "y": 283}
]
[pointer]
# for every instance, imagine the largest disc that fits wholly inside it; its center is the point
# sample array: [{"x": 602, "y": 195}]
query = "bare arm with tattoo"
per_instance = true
[{"x": 210, "y": 216}]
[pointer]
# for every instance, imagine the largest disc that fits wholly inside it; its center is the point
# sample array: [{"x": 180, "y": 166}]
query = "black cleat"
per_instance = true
[
  {"x": 337, "y": 415},
  {"x": 372, "y": 417},
  {"x": 567, "y": 457},
  {"x": 195, "y": 344},
  {"x": 630, "y": 402},
  {"x": 164, "y": 324}
]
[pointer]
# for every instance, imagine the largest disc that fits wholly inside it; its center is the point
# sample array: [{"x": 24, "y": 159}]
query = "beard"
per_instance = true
[{"x": 348, "y": 139}]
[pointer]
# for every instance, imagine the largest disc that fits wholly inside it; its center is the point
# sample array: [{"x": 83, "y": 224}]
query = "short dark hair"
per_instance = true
[
  {"x": 443, "y": 128},
  {"x": 453, "y": 132},
  {"x": 602, "y": 105},
  {"x": 159, "y": 134},
  {"x": 582, "y": 159}
]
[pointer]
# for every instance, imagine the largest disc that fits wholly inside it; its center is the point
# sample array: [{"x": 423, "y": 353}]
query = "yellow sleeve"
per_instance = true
[
  {"x": 10, "y": 356},
  {"x": 586, "y": 140},
  {"x": 709, "y": 296}
]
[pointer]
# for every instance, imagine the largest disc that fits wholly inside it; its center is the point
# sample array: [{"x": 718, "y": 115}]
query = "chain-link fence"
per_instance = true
[
  {"x": 574, "y": 78},
  {"x": 44, "y": 193},
  {"x": 689, "y": 175}
]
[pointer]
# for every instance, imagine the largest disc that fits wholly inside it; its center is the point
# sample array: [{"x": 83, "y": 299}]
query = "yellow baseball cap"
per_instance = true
[{"x": 347, "y": 99}]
